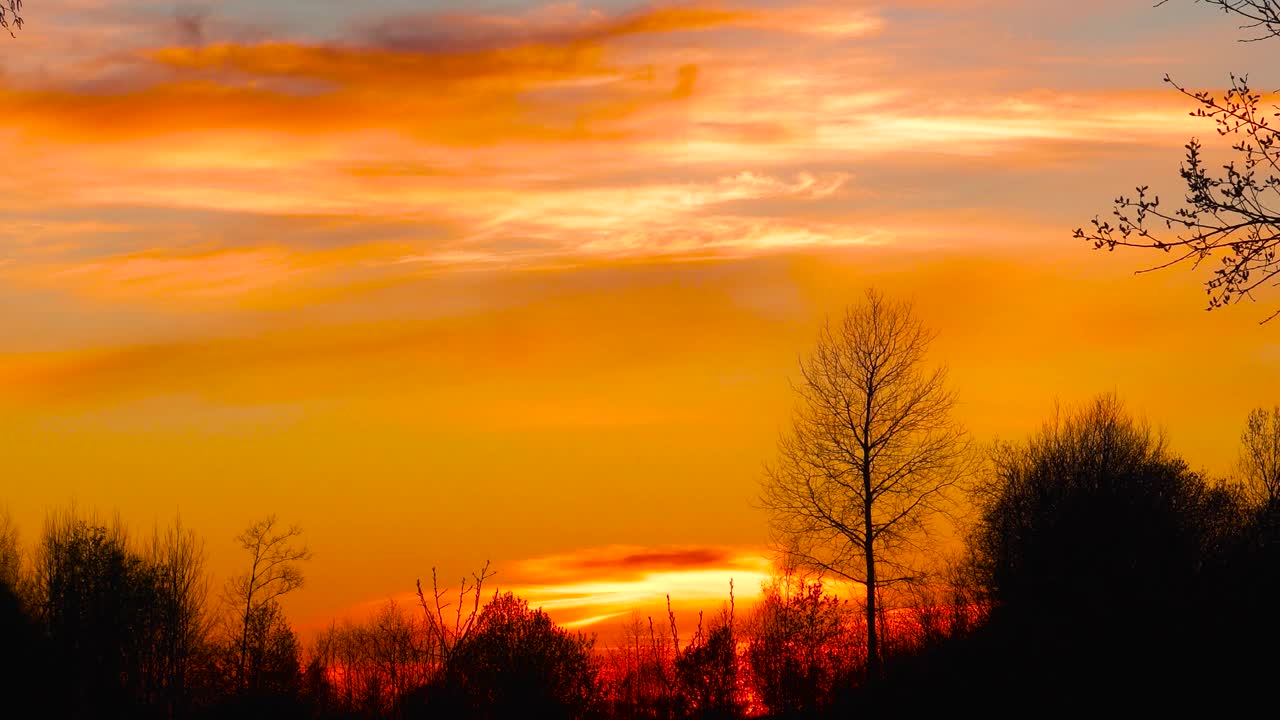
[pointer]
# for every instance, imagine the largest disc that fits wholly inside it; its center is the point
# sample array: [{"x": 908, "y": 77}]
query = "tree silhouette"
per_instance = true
[
  {"x": 862, "y": 477},
  {"x": 10, "y": 551},
  {"x": 1259, "y": 463},
  {"x": 272, "y": 651},
  {"x": 1231, "y": 215},
  {"x": 273, "y": 571},
  {"x": 95, "y": 601},
  {"x": 799, "y": 648},
  {"x": 516, "y": 662},
  {"x": 182, "y": 621},
  {"x": 706, "y": 670},
  {"x": 639, "y": 680},
  {"x": 375, "y": 664},
  {"x": 1092, "y": 542}
]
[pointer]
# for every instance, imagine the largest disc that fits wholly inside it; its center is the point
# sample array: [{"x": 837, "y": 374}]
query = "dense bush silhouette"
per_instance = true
[
  {"x": 707, "y": 675},
  {"x": 1094, "y": 544},
  {"x": 516, "y": 663},
  {"x": 95, "y": 602}
]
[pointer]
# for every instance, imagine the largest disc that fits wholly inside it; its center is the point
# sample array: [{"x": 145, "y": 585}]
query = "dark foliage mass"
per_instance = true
[
  {"x": 1112, "y": 573},
  {"x": 515, "y": 662},
  {"x": 1098, "y": 547}
]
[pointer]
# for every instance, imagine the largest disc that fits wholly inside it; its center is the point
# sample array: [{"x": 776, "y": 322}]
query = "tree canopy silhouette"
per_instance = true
[
  {"x": 122, "y": 626},
  {"x": 10, "y": 551},
  {"x": 516, "y": 662},
  {"x": 862, "y": 477},
  {"x": 1092, "y": 535},
  {"x": 1258, "y": 466}
]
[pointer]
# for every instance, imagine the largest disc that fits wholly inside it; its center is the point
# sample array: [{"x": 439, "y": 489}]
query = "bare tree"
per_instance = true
[
  {"x": 273, "y": 572},
  {"x": 176, "y": 556},
  {"x": 641, "y": 670},
  {"x": 1230, "y": 215},
  {"x": 10, "y": 551},
  {"x": 1259, "y": 463},
  {"x": 372, "y": 666},
  {"x": 862, "y": 477}
]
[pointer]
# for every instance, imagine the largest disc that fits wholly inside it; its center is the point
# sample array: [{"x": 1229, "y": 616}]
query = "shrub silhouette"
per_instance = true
[
  {"x": 516, "y": 662},
  {"x": 1092, "y": 543},
  {"x": 800, "y": 647},
  {"x": 707, "y": 674}
]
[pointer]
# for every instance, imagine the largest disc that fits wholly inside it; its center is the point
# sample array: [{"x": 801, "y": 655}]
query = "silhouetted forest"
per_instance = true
[{"x": 1099, "y": 568}]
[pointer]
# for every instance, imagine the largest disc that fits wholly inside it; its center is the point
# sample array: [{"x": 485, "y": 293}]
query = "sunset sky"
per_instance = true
[{"x": 444, "y": 282}]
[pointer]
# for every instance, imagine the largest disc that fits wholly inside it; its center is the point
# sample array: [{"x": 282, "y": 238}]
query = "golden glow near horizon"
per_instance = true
[{"x": 527, "y": 283}]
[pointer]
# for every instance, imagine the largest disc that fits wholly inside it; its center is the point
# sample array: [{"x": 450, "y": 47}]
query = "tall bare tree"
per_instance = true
[
  {"x": 274, "y": 571},
  {"x": 1259, "y": 464},
  {"x": 862, "y": 477}
]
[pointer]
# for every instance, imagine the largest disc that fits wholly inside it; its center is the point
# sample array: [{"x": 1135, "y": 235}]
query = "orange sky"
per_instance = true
[{"x": 526, "y": 282}]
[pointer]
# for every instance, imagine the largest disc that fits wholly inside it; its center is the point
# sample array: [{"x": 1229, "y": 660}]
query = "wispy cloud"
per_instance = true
[{"x": 552, "y": 137}]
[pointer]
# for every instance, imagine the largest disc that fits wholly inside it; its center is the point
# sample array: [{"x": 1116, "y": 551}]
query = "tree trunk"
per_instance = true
[
  {"x": 873, "y": 641},
  {"x": 244, "y": 634}
]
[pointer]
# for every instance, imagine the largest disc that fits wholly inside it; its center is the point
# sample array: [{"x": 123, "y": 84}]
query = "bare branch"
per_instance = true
[
  {"x": 11, "y": 16},
  {"x": 1231, "y": 214}
]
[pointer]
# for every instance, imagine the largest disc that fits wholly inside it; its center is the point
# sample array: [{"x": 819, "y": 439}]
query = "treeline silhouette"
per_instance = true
[{"x": 1099, "y": 569}]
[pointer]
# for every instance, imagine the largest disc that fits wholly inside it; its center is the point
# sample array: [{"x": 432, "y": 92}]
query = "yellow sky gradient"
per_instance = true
[{"x": 532, "y": 290}]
